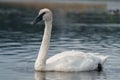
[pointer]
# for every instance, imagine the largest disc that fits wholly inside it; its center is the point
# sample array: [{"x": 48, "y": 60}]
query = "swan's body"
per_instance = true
[{"x": 68, "y": 61}]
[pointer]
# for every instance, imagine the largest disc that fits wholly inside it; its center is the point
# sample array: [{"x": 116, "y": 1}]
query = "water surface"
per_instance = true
[{"x": 20, "y": 42}]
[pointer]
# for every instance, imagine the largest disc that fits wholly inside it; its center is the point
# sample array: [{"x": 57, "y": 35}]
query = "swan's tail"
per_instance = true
[{"x": 103, "y": 59}]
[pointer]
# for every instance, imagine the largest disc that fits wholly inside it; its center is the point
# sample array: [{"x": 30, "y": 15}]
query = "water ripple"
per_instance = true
[{"x": 20, "y": 42}]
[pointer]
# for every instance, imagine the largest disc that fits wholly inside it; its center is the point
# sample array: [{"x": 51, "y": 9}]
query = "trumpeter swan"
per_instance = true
[{"x": 67, "y": 61}]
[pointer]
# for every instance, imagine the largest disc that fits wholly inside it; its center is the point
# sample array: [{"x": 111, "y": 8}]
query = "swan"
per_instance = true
[{"x": 68, "y": 61}]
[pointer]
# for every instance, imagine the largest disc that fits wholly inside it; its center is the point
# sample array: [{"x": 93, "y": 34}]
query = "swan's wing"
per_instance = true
[
  {"x": 64, "y": 55},
  {"x": 71, "y": 61}
]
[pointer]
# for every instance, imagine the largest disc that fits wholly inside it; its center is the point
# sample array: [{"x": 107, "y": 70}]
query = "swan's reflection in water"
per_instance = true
[{"x": 93, "y": 75}]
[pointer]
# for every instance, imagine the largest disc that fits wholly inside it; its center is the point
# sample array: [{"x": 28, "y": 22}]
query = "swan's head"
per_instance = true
[{"x": 44, "y": 14}]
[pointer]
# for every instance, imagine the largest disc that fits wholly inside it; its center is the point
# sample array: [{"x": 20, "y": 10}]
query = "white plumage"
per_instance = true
[
  {"x": 70, "y": 61},
  {"x": 67, "y": 61}
]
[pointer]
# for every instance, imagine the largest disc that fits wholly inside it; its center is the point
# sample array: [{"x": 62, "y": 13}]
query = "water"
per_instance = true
[{"x": 20, "y": 42}]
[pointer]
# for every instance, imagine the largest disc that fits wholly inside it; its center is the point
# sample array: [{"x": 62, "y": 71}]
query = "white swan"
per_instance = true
[{"x": 68, "y": 61}]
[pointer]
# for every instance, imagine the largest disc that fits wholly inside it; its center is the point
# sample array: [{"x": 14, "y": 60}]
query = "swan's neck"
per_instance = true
[{"x": 42, "y": 55}]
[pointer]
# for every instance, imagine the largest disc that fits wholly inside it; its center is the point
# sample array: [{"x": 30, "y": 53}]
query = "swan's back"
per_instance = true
[{"x": 72, "y": 61}]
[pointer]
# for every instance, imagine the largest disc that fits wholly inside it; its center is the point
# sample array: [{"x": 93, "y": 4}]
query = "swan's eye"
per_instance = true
[
  {"x": 38, "y": 18},
  {"x": 42, "y": 14}
]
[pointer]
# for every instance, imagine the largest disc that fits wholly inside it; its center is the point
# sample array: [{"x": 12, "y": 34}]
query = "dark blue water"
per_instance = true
[{"x": 20, "y": 42}]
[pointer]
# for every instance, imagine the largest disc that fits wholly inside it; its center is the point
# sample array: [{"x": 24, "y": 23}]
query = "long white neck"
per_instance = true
[{"x": 42, "y": 55}]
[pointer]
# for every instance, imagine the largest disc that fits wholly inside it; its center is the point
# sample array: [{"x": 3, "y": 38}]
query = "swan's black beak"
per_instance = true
[{"x": 38, "y": 18}]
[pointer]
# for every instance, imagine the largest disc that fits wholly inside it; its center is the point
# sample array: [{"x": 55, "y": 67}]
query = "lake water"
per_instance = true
[{"x": 20, "y": 42}]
